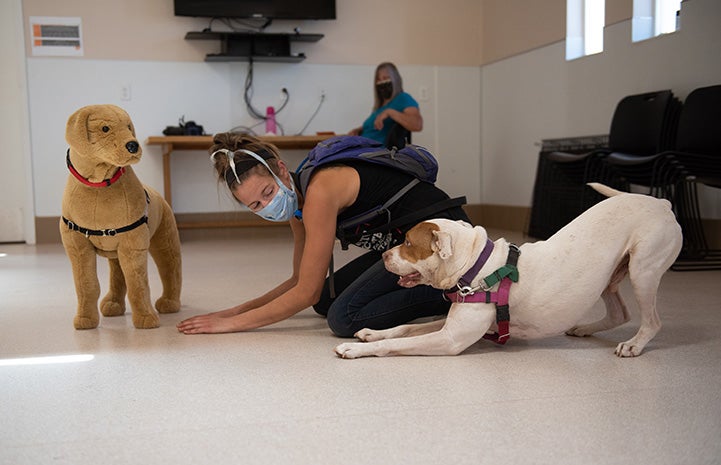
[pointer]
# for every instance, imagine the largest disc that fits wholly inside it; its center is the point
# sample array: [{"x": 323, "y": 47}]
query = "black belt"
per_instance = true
[
  {"x": 112, "y": 231},
  {"x": 103, "y": 232}
]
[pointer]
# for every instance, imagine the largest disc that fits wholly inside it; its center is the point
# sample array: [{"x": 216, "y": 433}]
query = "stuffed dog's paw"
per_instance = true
[
  {"x": 146, "y": 320},
  {"x": 86, "y": 322},
  {"x": 111, "y": 307},
  {"x": 165, "y": 305}
]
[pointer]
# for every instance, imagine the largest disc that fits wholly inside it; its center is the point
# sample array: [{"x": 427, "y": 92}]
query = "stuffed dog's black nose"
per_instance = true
[{"x": 132, "y": 146}]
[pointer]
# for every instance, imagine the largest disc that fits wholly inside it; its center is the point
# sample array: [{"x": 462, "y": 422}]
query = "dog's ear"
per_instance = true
[
  {"x": 442, "y": 244},
  {"x": 76, "y": 130}
]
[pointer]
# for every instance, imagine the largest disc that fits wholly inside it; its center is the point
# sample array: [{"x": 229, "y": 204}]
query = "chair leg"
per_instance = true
[{"x": 696, "y": 254}]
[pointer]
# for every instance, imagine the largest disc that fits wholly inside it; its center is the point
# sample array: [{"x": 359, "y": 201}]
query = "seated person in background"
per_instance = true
[{"x": 392, "y": 105}]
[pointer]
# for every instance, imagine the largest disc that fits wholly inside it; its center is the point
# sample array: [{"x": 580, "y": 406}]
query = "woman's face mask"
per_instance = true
[
  {"x": 283, "y": 204},
  {"x": 285, "y": 201},
  {"x": 384, "y": 89}
]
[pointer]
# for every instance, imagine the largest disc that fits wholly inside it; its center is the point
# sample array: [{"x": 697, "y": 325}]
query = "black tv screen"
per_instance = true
[{"x": 270, "y": 9}]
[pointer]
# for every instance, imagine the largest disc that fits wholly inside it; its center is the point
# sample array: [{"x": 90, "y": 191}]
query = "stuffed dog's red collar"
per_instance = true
[{"x": 103, "y": 183}]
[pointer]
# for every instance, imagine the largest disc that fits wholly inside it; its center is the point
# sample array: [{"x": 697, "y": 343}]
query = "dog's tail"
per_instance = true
[{"x": 605, "y": 190}]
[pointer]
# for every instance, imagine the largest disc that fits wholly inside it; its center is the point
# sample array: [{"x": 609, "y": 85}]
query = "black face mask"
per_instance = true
[{"x": 384, "y": 90}]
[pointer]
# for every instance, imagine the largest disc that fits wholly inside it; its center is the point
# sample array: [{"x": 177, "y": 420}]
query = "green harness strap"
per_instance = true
[{"x": 509, "y": 269}]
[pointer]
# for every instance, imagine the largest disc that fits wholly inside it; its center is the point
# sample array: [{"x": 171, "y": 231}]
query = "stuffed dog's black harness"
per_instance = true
[
  {"x": 104, "y": 232},
  {"x": 112, "y": 231},
  {"x": 506, "y": 275}
]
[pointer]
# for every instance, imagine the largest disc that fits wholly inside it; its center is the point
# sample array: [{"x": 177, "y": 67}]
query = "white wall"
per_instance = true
[
  {"x": 16, "y": 212},
  {"x": 538, "y": 95},
  {"x": 211, "y": 94}
]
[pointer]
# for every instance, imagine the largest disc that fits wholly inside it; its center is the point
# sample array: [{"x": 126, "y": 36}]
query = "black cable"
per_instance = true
[
  {"x": 322, "y": 99},
  {"x": 286, "y": 97},
  {"x": 248, "y": 95}
]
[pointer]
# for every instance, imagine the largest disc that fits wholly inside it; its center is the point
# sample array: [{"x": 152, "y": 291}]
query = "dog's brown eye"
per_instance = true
[{"x": 105, "y": 129}]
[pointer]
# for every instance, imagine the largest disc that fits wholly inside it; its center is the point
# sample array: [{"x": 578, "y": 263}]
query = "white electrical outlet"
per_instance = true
[{"x": 126, "y": 92}]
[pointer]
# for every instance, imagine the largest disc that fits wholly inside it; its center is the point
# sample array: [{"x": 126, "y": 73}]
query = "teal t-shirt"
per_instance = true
[{"x": 400, "y": 102}]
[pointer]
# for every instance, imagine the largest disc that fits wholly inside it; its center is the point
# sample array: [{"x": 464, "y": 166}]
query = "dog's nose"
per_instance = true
[{"x": 132, "y": 146}]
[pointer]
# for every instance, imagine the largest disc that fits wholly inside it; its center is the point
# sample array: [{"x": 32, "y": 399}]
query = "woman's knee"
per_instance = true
[
  {"x": 323, "y": 305},
  {"x": 340, "y": 324},
  {"x": 321, "y": 309}
]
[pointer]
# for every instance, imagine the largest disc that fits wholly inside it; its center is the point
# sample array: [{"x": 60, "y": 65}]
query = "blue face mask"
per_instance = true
[
  {"x": 283, "y": 204},
  {"x": 285, "y": 201}
]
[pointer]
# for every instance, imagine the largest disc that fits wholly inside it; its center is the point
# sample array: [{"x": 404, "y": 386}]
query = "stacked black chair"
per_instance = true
[
  {"x": 695, "y": 160},
  {"x": 640, "y": 127},
  {"x": 557, "y": 192},
  {"x": 656, "y": 134}
]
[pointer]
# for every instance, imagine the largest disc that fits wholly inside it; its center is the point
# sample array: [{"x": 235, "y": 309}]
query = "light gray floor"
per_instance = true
[{"x": 279, "y": 395}]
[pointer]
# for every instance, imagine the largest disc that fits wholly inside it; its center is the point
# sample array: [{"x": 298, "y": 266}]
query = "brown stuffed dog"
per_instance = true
[{"x": 107, "y": 211}]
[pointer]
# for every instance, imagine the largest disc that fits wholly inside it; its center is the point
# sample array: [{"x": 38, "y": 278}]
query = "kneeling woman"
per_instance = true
[{"x": 368, "y": 296}]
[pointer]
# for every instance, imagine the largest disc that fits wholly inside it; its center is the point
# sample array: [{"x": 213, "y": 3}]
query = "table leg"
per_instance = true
[{"x": 167, "y": 192}]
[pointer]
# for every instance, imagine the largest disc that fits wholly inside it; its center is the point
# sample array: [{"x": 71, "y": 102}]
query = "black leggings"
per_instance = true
[{"x": 368, "y": 296}]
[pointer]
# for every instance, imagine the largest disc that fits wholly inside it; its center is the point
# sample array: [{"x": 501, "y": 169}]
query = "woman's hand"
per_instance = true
[
  {"x": 410, "y": 118},
  {"x": 378, "y": 123},
  {"x": 209, "y": 323}
]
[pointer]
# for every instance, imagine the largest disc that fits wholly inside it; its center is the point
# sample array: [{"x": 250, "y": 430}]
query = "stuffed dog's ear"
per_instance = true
[
  {"x": 76, "y": 130},
  {"x": 442, "y": 244}
]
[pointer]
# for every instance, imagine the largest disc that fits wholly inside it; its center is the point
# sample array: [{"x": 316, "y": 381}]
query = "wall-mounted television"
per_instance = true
[{"x": 262, "y": 9}]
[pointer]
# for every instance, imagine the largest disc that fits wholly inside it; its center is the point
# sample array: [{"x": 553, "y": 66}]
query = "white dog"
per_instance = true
[{"x": 558, "y": 281}]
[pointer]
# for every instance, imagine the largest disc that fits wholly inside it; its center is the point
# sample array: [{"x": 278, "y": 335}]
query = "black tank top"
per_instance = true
[{"x": 380, "y": 183}]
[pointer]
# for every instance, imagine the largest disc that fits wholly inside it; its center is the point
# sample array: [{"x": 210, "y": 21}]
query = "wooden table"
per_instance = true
[{"x": 171, "y": 143}]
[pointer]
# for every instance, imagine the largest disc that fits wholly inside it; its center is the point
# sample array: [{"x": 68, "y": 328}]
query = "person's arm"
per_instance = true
[
  {"x": 313, "y": 249},
  {"x": 356, "y": 131},
  {"x": 298, "y": 242},
  {"x": 410, "y": 118}
]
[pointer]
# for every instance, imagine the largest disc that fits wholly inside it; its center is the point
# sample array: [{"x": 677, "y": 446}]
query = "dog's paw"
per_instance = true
[
  {"x": 165, "y": 305},
  {"x": 579, "y": 331},
  {"x": 85, "y": 322},
  {"x": 350, "y": 350},
  {"x": 112, "y": 308},
  {"x": 146, "y": 320},
  {"x": 368, "y": 335},
  {"x": 625, "y": 349}
]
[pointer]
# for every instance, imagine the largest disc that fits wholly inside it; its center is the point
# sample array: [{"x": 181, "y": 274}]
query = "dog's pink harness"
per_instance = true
[{"x": 504, "y": 277}]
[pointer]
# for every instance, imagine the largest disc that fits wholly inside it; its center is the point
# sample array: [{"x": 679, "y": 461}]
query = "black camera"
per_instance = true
[{"x": 184, "y": 129}]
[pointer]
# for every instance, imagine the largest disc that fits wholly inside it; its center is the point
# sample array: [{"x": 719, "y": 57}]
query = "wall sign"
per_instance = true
[{"x": 56, "y": 36}]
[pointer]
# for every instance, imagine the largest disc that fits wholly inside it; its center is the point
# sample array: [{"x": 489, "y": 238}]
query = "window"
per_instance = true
[
  {"x": 584, "y": 27},
  {"x": 652, "y": 18}
]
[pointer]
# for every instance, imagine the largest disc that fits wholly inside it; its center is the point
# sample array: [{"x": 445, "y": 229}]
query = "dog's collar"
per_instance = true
[
  {"x": 103, "y": 183},
  {"x": 470, "y": 275}
]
